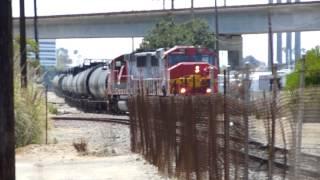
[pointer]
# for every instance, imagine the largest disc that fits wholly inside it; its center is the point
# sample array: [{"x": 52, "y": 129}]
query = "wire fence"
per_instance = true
[{"x": 236, "y": 134}]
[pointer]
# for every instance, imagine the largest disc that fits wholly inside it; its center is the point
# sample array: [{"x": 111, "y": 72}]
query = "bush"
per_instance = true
[
  {"x": 29, "y": 115},
  {"x": 312, "y": 70},
  {"x": 81, "y": 146},
  {"x": 52, "y": 109},
  {"x": 29, "y": 103}
]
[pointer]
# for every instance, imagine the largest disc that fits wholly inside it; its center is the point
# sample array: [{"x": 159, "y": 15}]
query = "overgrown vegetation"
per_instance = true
[
  {"x": 29, "y": 102},
  {"x": 168, "y": 33},
  {"x": 312, "y": 70},
  {"x": 52, "y": 109},
  {"x": 81, "y": 145}
]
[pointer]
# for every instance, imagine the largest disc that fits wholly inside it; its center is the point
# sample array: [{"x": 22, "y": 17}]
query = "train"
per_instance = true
[{"x": 106, "y": 86}]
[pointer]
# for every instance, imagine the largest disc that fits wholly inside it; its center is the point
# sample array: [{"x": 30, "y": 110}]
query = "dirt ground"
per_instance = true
[{"x": 108, "y": 156}]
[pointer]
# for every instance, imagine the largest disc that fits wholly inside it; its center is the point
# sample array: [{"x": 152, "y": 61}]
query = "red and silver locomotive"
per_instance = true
[{"x": 181, "y": 70}]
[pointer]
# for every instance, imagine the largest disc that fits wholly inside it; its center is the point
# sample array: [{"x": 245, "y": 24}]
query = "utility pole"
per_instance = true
[
  {"x": 23, "y": 53},
  {"x": 273, "y": 122},
  {"x": 172, "y": 4},
  {"x": 7, "y": 138},
  {"x": 246, "y": 98},
  {"x": 217, "y": 33},
  {"x": 35, "y": 27},
  {"x": 192, "y": 11},
  {"x": 164, "y": 4},
  {"x": 226, "y": 125}
]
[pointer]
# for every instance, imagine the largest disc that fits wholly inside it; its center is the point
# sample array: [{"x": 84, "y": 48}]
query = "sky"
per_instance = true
[{"x": 253, "y": 44}]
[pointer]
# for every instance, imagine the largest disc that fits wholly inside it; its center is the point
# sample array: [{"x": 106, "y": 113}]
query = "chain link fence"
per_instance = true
[{"x": 237, "y": 134}]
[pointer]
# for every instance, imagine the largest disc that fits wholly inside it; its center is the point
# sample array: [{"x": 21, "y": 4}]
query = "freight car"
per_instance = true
[{"x": 181, "y": 70}]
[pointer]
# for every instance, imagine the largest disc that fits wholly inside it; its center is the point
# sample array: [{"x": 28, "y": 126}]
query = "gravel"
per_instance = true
[{"x": 108, "y": 156}]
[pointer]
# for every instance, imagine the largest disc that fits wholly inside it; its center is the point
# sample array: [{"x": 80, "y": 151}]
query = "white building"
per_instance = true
[{"x": 47, "y": 52}]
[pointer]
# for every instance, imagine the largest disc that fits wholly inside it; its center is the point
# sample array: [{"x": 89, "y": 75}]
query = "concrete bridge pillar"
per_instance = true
[
  {"x": 279, "y": 44},
  {"x": 297, "y": 46},
  {"x": 232, "y": 44},
  {"x": 279, "y": 48},
  {"x": 289, "y": 49}
]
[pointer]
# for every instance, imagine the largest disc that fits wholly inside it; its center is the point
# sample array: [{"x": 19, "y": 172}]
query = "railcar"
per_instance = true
[
  {"x": 181, "y": 70},
  {"x": 105, "y": 87}
]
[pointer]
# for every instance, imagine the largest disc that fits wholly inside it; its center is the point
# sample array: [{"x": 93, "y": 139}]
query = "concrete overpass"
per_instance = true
[{"x": 232, "y": 20}]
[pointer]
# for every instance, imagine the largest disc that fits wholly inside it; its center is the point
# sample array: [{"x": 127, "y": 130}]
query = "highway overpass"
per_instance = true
[{"x": 236, "y": 20}]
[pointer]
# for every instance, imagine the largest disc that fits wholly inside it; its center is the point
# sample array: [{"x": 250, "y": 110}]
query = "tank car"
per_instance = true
[
  {"x": 181, "y": 70},
  {"x": 84, "y": 86}
]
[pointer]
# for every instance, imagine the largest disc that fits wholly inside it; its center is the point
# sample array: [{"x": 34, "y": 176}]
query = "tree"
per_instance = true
[
  {"x": 167, "y": 33},
  {"x": 62, "y": 58},
  {"x": 7, "y": 141},
  {"x": 312, "y": 70},
  {"x": 33, "y": 64}
]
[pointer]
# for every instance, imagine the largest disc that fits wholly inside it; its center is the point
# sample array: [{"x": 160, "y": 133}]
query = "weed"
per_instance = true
[{"x": 81, "y": 146}]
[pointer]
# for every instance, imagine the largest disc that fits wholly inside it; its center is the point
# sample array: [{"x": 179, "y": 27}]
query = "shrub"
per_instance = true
[
  {"x": 29, "y": 105},
  {"x": 52, "y": 109},
  {"x": 29, "y": 115},
  {"x": 312, "y": 70},
  {"x": 81, "y": 146}
]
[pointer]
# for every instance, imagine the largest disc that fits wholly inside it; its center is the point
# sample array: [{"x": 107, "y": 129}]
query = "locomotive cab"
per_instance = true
[
  {"x": 190, "y": 70},
  {"x": 146, "y": 72}
]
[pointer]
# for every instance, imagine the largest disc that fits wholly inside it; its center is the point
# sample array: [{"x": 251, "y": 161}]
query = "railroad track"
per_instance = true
[
  {"x": 258, "y": 152},
  {"x": 118, "y": 120},
  {"x": 309, "y": 166}
]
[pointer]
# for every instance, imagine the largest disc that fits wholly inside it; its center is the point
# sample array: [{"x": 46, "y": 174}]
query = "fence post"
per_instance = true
[
  {"x": 46, "y": 109},
  {"x": 226, "y": 129},
  {"x": 273, "y": 122},
  {"x": 299, "y": 122},
  {"x": 246, "y": 98}
]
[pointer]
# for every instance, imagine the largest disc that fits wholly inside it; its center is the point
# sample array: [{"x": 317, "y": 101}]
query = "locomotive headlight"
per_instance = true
[
  {"x": 183, "y": 90},
  {"x": 208, "y": 90},
  {"x": 197, "y": 69}
]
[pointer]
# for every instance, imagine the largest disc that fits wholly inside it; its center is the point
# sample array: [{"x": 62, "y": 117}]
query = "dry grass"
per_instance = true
[
  {"x": 29, "y": 107},
  {"x": 81, "y": 145}
]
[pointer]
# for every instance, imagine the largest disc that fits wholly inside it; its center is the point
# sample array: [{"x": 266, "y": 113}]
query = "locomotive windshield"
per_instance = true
[
  {"x": 141, "y": 61},
  {"x": 154, "y": 61},
  {"x": 177, "y": 58}
]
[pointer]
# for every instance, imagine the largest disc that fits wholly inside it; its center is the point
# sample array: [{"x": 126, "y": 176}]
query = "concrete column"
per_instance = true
[
  {"x": 297, "y": 43},
  {"x": 289, "y": 49},
  {"x": 297, "y": 46},
  {"x": 279, "y": 48},
  {"x": 269, "y": 51},
  {"x": 289, "y": 46},
  {"x": 232, "y": 44},
  {"x": 279, "y": 44},
  {"x": 132, "y": 43},
  {"x": 269, "y": 45}
]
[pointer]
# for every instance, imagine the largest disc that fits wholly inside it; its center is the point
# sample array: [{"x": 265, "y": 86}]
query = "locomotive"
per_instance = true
[{"x": 101, "y": 86}]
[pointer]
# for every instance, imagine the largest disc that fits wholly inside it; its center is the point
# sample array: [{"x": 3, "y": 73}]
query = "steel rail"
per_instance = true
[{"x": 92, "y": 119}]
